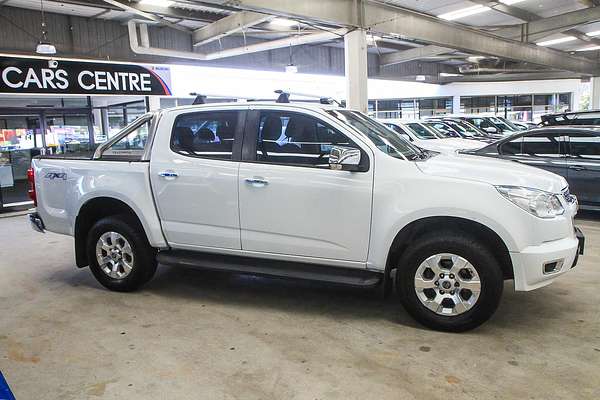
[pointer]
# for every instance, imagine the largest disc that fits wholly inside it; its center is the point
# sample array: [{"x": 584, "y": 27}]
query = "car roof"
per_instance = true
[{"x": 568, "y": 128}]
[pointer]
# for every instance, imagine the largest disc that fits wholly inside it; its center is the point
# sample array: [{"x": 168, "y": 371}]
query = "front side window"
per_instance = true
[
  {"x": 292, "y": 138},
  {"x": 205, "y": 134},
  {"x": 383, "y": 138},
  {"x": 585, "y": 146}
]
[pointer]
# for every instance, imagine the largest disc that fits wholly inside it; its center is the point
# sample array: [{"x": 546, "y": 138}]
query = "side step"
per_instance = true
[{"x": 274, "y": 268}]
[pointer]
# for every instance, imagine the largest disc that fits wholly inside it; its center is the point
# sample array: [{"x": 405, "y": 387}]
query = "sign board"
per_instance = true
[{"x": 52, "y": 76}]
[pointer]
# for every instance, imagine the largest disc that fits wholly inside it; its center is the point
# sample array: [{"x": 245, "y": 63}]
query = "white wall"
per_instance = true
[{"x": 261, "y": 84}]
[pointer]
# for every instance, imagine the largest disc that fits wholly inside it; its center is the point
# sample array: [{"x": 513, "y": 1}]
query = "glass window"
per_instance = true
[
  {"x": 205, "y": 134},
  {"x": 132, "y": 144},
  {"x": 421, "y": 131},
  {"x": 511, "y": 148},
  {"x": 291, "y": 138},
  {"x": 443, "y": 129},
  {"x": 67, "y": 133},
  {"x": 383, "y": 138},
  {"x": 585, "y": 146},
  {"x": 542, "y": 145}
]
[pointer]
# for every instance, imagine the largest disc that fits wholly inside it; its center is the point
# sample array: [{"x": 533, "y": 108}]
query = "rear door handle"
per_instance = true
[
  {"x": 168, "y": 174},
  {"x": 256, "y": 181},
  {"x": 577, "y": 167}
]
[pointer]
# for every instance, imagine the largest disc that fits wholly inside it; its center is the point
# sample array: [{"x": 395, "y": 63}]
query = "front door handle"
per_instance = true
[
  {"x": 577, "y": 167},
  {"x": 168, "y": 174},
  {"x": 256, "y": 181}
]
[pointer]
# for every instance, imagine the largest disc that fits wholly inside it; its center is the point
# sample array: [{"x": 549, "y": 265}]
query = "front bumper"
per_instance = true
[
  {"x": 531, "y": 265},
  {"x": 36, "y": 222}
]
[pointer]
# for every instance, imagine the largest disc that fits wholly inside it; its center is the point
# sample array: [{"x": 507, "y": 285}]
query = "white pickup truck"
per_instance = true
[{"x": 314, "y": 192}]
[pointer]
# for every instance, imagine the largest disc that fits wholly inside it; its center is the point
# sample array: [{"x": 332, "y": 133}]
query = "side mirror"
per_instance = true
[
  {"x": 344, "y": 158},
  {"x": 491, "y": 129}
]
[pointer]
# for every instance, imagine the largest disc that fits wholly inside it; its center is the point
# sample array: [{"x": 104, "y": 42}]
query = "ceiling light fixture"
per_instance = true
[
  {"x": 159, "y": 3},
  {"x": 449, "y": 74},
  {"x": 563, "y": 39},
  {"x": 589, "y": 48},
  {"x": 420, "y": 78},
  {"x": 44, "y": 46},
  {"x": 464, "y": 12},
  {"x": 373, "y": 39},
  {"x": 510, "y": 2},
  {"x": 594, "y": 33},
  {"x": 284, "y": 22}
]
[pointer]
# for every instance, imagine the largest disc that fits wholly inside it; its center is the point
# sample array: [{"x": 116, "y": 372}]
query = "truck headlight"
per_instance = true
[{"x": 537, "y": 202}]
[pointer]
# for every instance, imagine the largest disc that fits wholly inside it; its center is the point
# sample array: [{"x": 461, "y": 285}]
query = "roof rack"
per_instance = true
[{"x": 284, "y": 97}]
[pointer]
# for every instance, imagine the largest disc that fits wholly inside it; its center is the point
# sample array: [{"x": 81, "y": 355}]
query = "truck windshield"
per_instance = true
[{"x": 384, "y": 138}]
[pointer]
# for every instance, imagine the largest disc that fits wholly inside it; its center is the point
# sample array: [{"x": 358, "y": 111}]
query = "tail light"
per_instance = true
[{"x": 31, "y": 191}]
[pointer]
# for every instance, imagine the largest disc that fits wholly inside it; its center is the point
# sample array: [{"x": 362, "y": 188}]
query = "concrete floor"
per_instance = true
[{"x": 200, "y": 335}]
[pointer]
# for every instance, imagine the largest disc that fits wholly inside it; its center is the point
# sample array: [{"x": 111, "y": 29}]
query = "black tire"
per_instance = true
[
  {"x": 463, "y": 245},
  {"x": 144, "y": 256}
]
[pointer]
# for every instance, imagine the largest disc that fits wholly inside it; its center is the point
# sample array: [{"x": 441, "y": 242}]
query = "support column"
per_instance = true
[
  {"x": 355, "y": 55},
  {"x": 456, "y": 104},
  {"x": 595, "y": 100},
  {"x": 153, "y": 103}
]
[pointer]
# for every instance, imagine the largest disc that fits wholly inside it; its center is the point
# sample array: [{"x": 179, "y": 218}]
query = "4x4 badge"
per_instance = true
[{"x": 56, "y": 175}]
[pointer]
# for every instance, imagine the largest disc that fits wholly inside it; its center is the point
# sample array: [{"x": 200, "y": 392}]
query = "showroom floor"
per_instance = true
[{"x": 200, "y": 335}]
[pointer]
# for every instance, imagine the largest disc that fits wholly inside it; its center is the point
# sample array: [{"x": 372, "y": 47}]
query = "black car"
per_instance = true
[
  {"x": 571, "y": 152},
  {"x": 572, "y": 118}
]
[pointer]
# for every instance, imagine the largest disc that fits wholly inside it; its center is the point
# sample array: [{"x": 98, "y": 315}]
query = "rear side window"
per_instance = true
[
  {"x": 585, "y": 146},
  {"x": 291, "y": 138},
  {"x": 542, "y": 145},
  {"x": 205, "y": 134},
  {"x": 131, "y": 145}
]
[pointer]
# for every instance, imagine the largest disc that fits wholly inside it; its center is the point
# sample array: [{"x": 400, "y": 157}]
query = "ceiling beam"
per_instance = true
[
  {"x": 149, "y": 15},
  {"x": 506, "y": 9},
  {"x": 536, "y": 30},
  {"x": 228, "y": 25},
  {"x": 412, "y": 54},
  {"x": 402, "y": 22},
  {"x": 382, "y": 18}
]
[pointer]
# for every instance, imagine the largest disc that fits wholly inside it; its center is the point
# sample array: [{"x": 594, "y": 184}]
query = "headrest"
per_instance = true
[{"x": 271, "y": 128}]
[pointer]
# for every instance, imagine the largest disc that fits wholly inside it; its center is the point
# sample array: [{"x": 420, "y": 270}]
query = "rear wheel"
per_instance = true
[
  {"x": 120, "y": 256},
  {"x": 449, "y": 281}
]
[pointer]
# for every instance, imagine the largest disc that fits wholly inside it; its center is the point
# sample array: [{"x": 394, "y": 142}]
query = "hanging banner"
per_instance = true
[{"x": 51, "y": 76}]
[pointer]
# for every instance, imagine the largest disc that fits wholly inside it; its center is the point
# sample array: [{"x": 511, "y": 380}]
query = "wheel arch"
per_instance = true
[
  {"x": 419, "y": 227},
  {"x": 92, "y": 211}
]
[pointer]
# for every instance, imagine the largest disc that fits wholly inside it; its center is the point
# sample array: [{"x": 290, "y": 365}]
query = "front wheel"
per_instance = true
[
  {"x": 120, "y": 256},
  {"x": 449, "y": 282}
]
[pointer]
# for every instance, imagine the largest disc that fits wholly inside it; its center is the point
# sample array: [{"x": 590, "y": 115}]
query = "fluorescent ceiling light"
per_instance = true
[
  {"x": 595, "y": 33},
  {"x": 557, "y": 41},
  {"x": 510, "y": 2},
  {"x": 284, "y": 22},
  {"x": 464, "y": 12},
  {"x": 420, "y": 78},
  {"x": 449, "y": 74},
  {"x": 589, "y": 48},
  {"x": 160, "y": 3}
]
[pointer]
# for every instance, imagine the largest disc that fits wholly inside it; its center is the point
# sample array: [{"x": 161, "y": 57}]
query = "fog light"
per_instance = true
[{"x": 553, "y": 266}]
